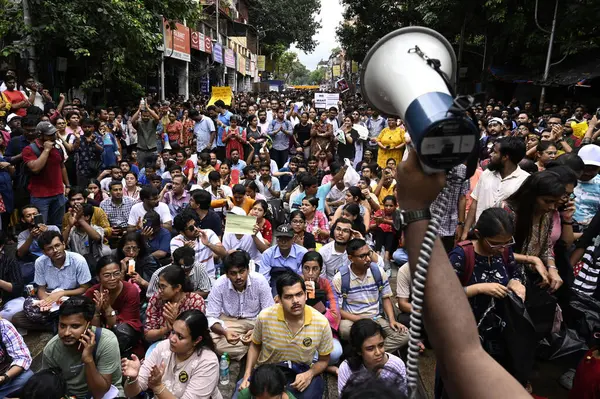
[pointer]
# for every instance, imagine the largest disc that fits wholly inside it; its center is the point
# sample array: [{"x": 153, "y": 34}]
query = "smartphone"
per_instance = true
[
  {"x": 38, "y": 219},
  {"x": 131, "y": 266}
]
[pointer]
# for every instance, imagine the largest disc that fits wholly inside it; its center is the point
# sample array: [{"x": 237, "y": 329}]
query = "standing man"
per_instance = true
[
  {"x": 204, "y": 131},
  {"x": 49, "y": 176},
  {"x": 499, "y": 181},
  {"x": 223, "y": 118},
  {"x": 87, "y": 356},
  {"x": 234, "y": 303},
  {"x": 146, "y": 132},
  {"x": 452, "y": 222},
  {"x": 292, "y": 333},
  {"x": 363, "y": 291},
  {"x": 280, "y": 130},
  {"x": 376, "y": 123}
]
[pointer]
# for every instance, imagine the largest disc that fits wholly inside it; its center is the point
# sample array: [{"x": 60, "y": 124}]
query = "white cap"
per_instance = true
[
  {"x": 590, "y": 154},
  {"x": 11, "y": 117}
]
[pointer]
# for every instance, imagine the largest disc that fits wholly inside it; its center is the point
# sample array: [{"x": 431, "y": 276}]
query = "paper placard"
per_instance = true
[
  {"x": 326, "y": 100},
  {"x": 220, "y": 93},
  {"x": 238, "y": 224}
]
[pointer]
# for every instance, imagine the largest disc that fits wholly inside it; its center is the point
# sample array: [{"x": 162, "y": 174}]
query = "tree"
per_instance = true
[
  {"x": 286, "y": 23},
  {"x": 115, "y": 41},
  {"x": 317, "y": 76},
  {"x": 508, "y": 25},
  {"x": 289, "y": 68}
]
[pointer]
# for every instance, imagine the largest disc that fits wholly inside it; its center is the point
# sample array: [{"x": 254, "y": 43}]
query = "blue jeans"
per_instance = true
[
  {"x": 16, "y": 384},
  {"x": 335, "y": 355},
  {"x": 51, "y": 208}
]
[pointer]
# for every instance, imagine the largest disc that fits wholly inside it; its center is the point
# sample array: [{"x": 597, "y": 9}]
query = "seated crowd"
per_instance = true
[{"x": 147, "y": 289}]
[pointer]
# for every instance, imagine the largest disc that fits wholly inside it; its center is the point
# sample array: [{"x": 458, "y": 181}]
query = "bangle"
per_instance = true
[
  {"x": 129, "y": 381},
  {"x": 161, "y": 391},
  {"x": 552, "y": 267}
]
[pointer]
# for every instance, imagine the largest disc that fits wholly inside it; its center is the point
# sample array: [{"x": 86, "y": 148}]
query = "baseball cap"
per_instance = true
[
  {"x": 45, "y": 128},
  {"x": 11, "y": 117},
  {"x": 496, "y": 119},
  {"x": 285, "y": 230},
  {"x": 590, "y": 154}
]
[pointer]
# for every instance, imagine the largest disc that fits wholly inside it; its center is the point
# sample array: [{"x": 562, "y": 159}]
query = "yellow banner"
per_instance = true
[
  {"x": 354, "y": 67},
  {"x": 261, "y": 61},
  {"x": 220, "y": 93},
  {"x": 337, "y": 71}
]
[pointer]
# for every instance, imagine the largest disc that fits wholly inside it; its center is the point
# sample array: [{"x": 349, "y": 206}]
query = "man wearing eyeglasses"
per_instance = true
[{"x": 364, "y": 299}]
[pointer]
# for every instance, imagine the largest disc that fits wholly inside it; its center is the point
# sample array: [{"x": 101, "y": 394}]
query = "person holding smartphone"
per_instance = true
[{"x": 87, "y": 356}]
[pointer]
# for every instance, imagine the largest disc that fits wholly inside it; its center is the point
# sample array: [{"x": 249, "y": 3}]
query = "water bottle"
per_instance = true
[{"x": 224, "y": 371}]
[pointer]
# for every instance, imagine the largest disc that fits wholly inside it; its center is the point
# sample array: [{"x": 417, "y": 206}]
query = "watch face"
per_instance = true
[{"x": 398, "y": 220}]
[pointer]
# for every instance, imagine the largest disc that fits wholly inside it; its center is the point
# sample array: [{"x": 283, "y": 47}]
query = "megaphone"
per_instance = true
[{"x": 410, "y": 73}]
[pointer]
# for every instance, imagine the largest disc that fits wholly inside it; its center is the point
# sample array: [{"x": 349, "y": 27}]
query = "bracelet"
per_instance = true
[
  {"x": 129, "y": 381},
  {"x": 567, "y": 223},
  {"x": 552, "y": 267},
  {"x": 161, "y": 391}
]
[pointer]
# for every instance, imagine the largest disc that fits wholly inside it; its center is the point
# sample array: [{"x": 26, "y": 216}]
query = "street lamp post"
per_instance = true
[{"x": 548, "y": 57}]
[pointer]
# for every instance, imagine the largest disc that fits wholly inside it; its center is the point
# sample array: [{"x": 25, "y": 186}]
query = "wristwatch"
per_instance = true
[{"x": 403, "y": 218}]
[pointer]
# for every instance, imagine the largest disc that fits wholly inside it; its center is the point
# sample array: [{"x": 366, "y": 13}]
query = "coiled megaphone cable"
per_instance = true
[{"x": 418, "y": 294}]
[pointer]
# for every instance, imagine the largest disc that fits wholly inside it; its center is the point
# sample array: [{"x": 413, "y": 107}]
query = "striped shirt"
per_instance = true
[
  {"x": 363, "y": 294},
  {"x": 74, "y": 272},
  {"x": 198, "y": 277},
  {"x": 279, "y": 344}
]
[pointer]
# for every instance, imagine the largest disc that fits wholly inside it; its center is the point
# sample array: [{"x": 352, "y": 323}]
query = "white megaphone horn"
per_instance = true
[{"x": 410, "y": 73}]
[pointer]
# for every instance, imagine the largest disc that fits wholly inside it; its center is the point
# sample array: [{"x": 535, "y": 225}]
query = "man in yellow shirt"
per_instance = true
[{"x": 289, "y": 334}]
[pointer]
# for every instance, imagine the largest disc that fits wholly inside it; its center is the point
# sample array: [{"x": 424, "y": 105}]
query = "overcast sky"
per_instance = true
[{"x": 330, "y": 16}]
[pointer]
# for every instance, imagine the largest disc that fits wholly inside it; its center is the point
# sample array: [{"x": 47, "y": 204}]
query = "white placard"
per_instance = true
[{"x": 326, "y": 100}]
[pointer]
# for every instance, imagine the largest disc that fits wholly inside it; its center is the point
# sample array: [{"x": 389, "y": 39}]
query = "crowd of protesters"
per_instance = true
[{"x": 119, "y": 219}]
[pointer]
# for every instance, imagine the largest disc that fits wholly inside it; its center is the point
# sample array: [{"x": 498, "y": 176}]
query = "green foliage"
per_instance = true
[
  {"x": 509, "y": 25},
  {"x": 116, "y": 40},
  {"x": 290, "y": 69},
  {"x": 284, "y": 22},
  {"x": 317, "y": 76}
]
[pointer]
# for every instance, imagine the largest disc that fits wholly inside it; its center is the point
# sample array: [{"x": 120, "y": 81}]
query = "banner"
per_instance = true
[
  {"x": 326, "y": 100},
  {"x": 177, "y": 42},
  {"x": 229, "y": 58},
  {"x": 260, "y": 63},
  {"x": 217, "y": 53},
  {"x": 241, "y": 64},
  {"x": 337, "y": 71},
  {"x": 205, "y": 85},
  {"x": 342, "y": 85},
  {"x": 196, "y": 40},
  {"x": 220, "y": 93},
  {"x": 208, "y": 44}
]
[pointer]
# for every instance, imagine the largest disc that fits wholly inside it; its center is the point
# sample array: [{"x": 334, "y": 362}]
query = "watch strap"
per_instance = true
[{"x": 414, "y": 216}]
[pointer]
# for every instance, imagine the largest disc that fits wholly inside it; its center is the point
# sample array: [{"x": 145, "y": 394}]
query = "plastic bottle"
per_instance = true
[
  {"x": 227, "y": 357},
  {"x": 223, "y": 371}
]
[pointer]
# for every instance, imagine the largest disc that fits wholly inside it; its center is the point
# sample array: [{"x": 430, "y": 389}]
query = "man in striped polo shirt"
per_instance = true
[
  {"x": 367, "y": 298},
  {"x": 290, "y": 334}
]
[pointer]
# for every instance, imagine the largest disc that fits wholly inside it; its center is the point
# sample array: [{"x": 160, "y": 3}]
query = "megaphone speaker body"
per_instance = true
[{"x": 397, "y": 80}]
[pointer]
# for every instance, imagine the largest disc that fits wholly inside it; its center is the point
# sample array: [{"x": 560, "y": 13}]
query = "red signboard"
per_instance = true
[
  {"x": 196, "y": 40},
  {"x": 208, "y": 44}
]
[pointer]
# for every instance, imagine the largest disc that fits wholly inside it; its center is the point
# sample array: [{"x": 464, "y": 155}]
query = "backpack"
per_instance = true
[
  {"x": 345, "y": 274},
  {"x": 37, "y": 151},
  {"x": 467, "y": 246}
]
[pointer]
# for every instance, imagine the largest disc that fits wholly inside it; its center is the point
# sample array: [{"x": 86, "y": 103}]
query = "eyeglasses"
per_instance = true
[
  {"x": 498, "y": 246},
  {"x": 162, "y": 287},
  {"x": 114, "y": 275},
  {"x": 131, "y": 248},
  {"x": 570, "y": 196},
  {"x": 55, "y": 248},
  {"x": 191, "y": 228},
  {"x": 363, "y": 256},
  {"x": 345, "y": 231}
]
